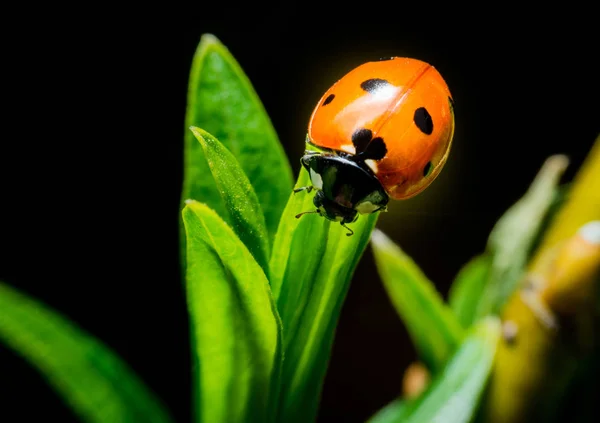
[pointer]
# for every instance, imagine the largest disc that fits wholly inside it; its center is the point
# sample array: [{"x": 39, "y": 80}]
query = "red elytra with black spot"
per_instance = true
[{"x": 397, "y": 114}]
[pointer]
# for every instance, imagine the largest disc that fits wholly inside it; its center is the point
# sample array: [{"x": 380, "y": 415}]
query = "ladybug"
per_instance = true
[{"x": 383, "y": 130}]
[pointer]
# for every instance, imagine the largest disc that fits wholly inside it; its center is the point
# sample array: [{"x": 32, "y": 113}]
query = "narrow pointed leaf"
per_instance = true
[
  {"x": 467, "y": 288},
  {"x": 297, "y": 255},
  {"x": 310, "y": 298},
  {"x": 235, "y": 326},
  {"x": 560, "y": 198},
  {"x": 222, "y": 101},
  {"x": 582, "y": 202},
  {"x": 92, "y": 380},
  {"x": 243, "y": 208},
  {"x": 454, "y": 395},
  {"x": 434, "y": 329},
  {"x": 514, "y": 234}
]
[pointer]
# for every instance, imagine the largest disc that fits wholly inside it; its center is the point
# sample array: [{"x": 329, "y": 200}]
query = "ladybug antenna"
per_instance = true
[
  {"x": 350, "y": 233},
  {"x": 307, "y": 212}
]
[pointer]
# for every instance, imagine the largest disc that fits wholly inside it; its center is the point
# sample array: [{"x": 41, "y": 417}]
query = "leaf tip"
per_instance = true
[
  {"x": 558, "y": 162},
  {"x": 197, "y": 131},
  {"x": 195, "y": 206},
  {"x": 209, "y": 43},
  {"x": 380, "y": 240},
  {"x": 201, "y": 136},
  {"x": 191, "y": 206},
  {"x": 377, "y": 236},
  {"x": 208, "y": 39}
]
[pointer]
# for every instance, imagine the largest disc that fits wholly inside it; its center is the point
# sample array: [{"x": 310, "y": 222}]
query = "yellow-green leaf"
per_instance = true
[
  {"x": 513, "y": 236},
  {"x": 454, "y": 395},
  {"x": 243, "y": 208},
  {"x": 222, "y": 101},
  {"x": 393, "y": 412},
  {"x": 236, "y": 329},
  {"x": 311, "y": 267},
  {"x": 467, "y": 288}
]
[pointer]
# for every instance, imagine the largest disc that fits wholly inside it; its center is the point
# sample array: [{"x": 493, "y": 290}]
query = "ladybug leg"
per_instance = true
[
  {"x": 312, "y": 153},
  {"x": 307, "y": 189},
  {"x": 307, "y": 212},
  {"x": 350, "y": 231}
]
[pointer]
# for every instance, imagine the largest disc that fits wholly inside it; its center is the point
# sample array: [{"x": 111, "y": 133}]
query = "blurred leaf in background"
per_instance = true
[
  {"x": 96, "y": 384},
  {"x": 540, "y": 274},
  {"x": 512, "y": 237},
  {"x": 467, "y": 288},
  {"x": 555, "y": 317},
  {"x": 433, "y": 327},
  {"x": 454, "y": 394}
]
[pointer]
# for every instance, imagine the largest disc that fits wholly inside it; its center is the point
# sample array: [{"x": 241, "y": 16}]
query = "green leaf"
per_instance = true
[
  {"x": 467, "y": 288},
  {"x": 560, "y": 198},
  {"x": 243, "y": 208},
  {"x": 434, "y": 329},
  {"x": 454, "y": 395},
  {"x": 311, "y": 267},
  {"x": 222, "y": 101},
  {"x": 394, "y": 412},
  {"x": 297, "y": 255},
  {"x": 514, "y": 234},
  {"x": 235, "y": 326},
  {"x": 93, "y": 381}
]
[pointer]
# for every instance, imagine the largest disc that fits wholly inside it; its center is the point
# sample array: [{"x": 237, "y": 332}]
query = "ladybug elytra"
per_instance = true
[{"x": 383, "y": 130}]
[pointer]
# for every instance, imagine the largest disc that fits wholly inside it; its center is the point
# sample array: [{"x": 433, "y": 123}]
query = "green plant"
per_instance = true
[
  {"x": 514, "y": 307},
  {"x": 250, "y": 276},
  {"x": 262, "y": 306}
]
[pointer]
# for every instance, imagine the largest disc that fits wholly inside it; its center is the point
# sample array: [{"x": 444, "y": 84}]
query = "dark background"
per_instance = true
[{"x": 91, "y": 164}]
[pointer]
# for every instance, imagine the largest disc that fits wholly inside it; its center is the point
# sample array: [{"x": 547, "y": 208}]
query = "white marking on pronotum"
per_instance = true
[
  {"x": 372, "y": 164},
  {"x": 348, "y": 148},
  {"x": 316, "y": 179}
]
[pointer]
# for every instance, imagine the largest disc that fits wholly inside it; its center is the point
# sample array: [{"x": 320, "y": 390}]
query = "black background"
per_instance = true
[{"x": 91, "y": 163}]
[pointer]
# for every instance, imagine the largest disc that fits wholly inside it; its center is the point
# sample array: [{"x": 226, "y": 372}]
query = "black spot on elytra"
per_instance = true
[
  {"x": 368, "y": 147},
  {"x": 376, "y": 149},
  {"x": 423, "y": 120},
  {"x": 361, "y": 138},
  {"x": 427, "y": 169},
  {"x": 328, "y": 100},
  {"x": 372, "y": 85}
]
